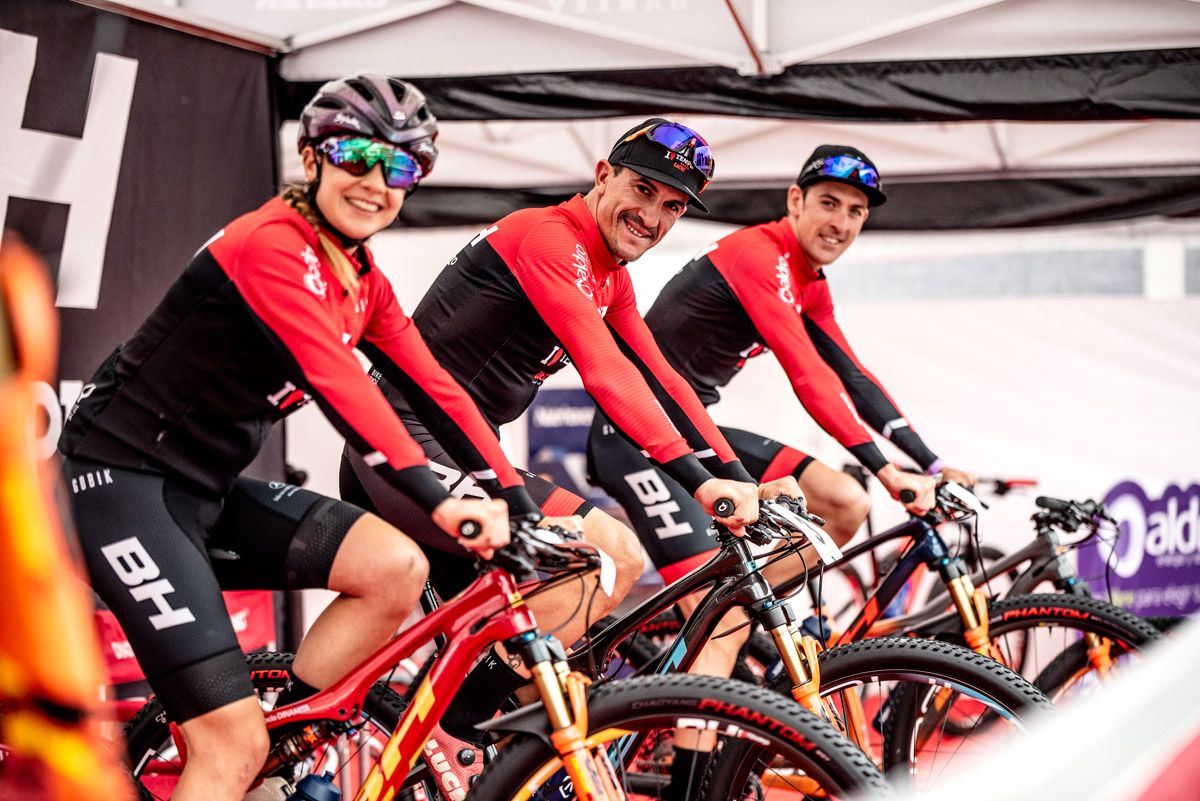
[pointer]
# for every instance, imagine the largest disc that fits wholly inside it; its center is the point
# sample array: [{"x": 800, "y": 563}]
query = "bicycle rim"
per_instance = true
[{"x": 902, "y": 690}]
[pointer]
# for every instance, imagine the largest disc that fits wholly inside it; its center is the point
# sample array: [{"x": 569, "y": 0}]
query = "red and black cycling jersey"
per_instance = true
[
  {"x": 752, "y": 291},
  {"x": 254, "y": 327},
  {"x": 540, "y": 289}
]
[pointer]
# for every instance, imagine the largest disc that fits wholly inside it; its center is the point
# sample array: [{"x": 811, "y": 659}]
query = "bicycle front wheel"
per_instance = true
[
  {"x": 636, "y": 720},
  {"x": 895, "y": 696},
  {"x": 1044, "y": 637}
]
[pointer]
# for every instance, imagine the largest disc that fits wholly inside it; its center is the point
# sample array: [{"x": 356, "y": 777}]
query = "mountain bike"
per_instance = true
[
  {"x": 585, "y": 736},
  {"x": 846, "y": 585},
  {"x": 822, "y": 680},
  {"x": 1064, "y": 643}
]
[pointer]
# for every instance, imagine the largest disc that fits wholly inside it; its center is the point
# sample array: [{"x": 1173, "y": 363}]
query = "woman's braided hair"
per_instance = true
[{"x": 296, "y": 196}]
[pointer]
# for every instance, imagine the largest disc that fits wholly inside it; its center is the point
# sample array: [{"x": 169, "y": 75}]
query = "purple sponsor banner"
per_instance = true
[{"x": 1154, "y": 565}]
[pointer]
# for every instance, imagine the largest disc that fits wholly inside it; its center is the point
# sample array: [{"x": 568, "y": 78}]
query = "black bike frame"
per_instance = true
[
  {"x": 926, "y": 547},
  {"x": 1045, "y": 555},
  {"x": 1047, "y": 562},
  {"x": 733, "y": 572}
]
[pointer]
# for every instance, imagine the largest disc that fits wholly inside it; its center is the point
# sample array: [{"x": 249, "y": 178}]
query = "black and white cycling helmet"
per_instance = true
[{"x": 376, "y": 106}]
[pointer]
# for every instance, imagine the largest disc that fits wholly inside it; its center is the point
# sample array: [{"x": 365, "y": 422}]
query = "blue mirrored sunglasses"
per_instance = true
[
  {"x": 358, "y": 155},
  {"x": 849, "y": 167},
  {"x": 682, "y": 140}
]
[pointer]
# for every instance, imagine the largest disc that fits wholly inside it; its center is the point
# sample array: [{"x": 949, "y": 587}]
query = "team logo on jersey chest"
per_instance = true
[{"x": 312, "y": 278}]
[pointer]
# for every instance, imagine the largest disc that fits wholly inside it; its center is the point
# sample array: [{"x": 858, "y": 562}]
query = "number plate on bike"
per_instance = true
[{"x": 827, "y": 549}]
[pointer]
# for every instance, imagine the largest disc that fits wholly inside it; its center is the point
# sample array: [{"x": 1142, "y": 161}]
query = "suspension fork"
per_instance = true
[
  {"x": 1099, "y": 649},
  {"x": 564, "y": 697},
  {"x": 799, "y": 654},
  {"x": 971, "y": 603}
]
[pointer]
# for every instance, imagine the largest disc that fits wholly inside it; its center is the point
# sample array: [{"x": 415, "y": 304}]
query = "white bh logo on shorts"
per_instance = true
[
  {"x": 312, "y": 278},
  {"x": 136, "y": 570},
  {"x": 655, "y": 498}
]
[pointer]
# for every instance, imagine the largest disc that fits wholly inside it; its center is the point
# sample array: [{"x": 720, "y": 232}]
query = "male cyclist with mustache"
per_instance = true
[
  {"x": 540, "y": 289},
  {"x": 763, "y": 288}
]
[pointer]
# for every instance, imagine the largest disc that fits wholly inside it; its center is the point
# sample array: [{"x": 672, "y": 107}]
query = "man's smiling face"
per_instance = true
[
  {"x": 826, "y": 218},
  {"x": 634, "y": 212}
]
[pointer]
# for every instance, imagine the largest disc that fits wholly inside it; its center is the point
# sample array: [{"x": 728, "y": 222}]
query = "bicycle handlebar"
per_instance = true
[
  {"x": 780, "y": 518},
  {"x": 549, "y": 549},
  {"x": 1069, "y": 515},
  {"x": 1053, "y": 504},
  {"x": 1002, "y": 486},
  {"x": 953, "y": 503}
]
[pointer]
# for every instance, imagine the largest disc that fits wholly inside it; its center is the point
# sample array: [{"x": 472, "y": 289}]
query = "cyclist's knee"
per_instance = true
[
  {"x": 227, "y": 746},
  {"x": 620, "y": 543},
  {"x": 377, "y": 560},
  {"x": 847, "y": 505}
]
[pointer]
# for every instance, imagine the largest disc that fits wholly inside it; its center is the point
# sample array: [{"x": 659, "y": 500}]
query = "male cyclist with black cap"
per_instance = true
[
  {"x": 545, "y": 287},
  {"x": 763, "y": 288}
]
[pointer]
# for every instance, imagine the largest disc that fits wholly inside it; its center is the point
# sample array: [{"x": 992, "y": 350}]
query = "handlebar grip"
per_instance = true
[
  {"x": 469, "y": 529},
  {"x": 723, "y": 507},
  {"x": 1053, "y": 504},
  {"x": 907, "y": 496}
]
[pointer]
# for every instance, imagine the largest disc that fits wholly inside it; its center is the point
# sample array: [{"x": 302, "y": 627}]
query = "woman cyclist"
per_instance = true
[{"x": 263, "y": 319}]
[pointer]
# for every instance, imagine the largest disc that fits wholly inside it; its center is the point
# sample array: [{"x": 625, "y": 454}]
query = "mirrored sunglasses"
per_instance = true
[
  {"x": 850, "y": 168},
  {"x": 358, "y": 155},
  {"x": 681, "y": 140}
]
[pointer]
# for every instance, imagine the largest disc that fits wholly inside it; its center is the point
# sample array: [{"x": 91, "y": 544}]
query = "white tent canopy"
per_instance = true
[{"x": 1100, "y": 135}]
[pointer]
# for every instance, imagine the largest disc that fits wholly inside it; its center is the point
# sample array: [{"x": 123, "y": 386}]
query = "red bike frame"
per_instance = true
[{"x": 490, "y": 610}]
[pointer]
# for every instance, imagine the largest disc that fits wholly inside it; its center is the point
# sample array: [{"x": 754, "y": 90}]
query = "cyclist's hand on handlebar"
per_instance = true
[
  {"x": 572, "y": 524},
  {"x": 786, "y": 486},
  {"x": 960, "y": 477},
  {"x": 743, "y": 495},
  {"x": 491, "y": 516},
  {"x": 905, "y": 486}
]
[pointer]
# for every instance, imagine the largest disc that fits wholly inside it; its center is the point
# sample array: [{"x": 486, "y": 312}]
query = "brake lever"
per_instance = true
[
  {"x": 515, "y": 559},
  {"x": 962, "y": 496},
  {"x": 757, "y": 534},
  {"x": 805, "y": 524}
]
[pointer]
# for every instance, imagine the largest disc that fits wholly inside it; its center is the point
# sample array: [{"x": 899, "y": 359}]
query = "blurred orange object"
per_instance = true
[{"x": 50, "y": 665}]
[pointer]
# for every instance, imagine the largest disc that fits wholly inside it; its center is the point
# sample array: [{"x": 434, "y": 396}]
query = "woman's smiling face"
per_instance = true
[{"x": 356, "y": 205}]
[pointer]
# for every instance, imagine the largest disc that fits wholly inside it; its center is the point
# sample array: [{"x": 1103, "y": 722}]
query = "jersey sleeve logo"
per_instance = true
[
  {"x": 312, "y": 278},
  {"x": 583, "y": 272},
  {"x": 785, "y": 283}
]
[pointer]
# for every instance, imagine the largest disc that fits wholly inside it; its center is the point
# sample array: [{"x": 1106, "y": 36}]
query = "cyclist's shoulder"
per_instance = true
[
  {"x": 548, "y": 224},
  {"x": 272, "y": 227},
  {"x": 753, "y": 247}
]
